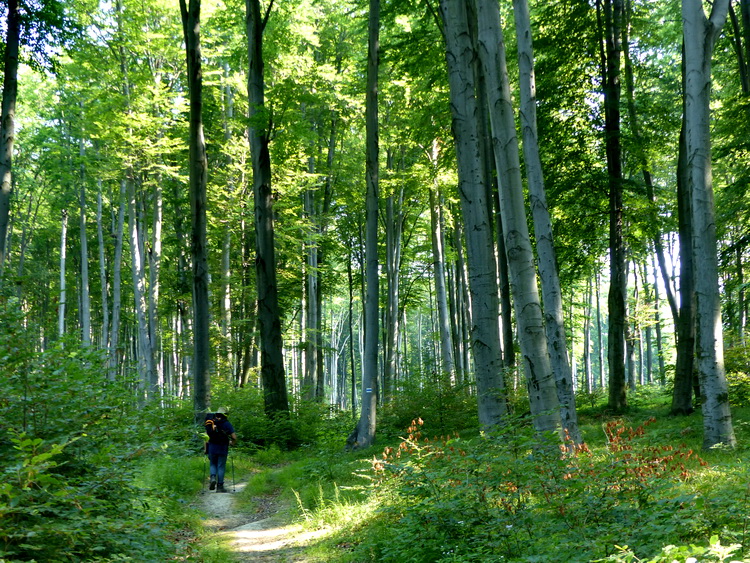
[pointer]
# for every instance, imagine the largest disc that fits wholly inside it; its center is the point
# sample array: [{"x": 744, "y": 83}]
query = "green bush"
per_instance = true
[
  {"x": 508, "y": 497},
  {"x": 444, "y": 408},
  {"x": 46, "y": 515},
  {"x": 737, "y": 364},
  {"x": 71, "y": 442}
]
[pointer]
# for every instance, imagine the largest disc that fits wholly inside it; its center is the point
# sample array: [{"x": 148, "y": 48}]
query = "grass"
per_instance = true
[{"x": 493, "y": 502}]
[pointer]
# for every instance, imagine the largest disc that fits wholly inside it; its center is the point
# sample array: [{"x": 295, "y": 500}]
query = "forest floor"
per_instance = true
[{"x": 262, "y": 536}]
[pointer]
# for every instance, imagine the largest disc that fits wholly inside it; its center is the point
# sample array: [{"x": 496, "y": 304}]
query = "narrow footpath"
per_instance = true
[{"x": 259, "y": 537}]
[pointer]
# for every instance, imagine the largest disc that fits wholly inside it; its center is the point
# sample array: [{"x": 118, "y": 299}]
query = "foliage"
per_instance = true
[
  {"x": 73, "y": 444},
  {"x": 737, "y": 364},
  {"x": 446, "y": 408},
  {"x": 508, "y": 497}
]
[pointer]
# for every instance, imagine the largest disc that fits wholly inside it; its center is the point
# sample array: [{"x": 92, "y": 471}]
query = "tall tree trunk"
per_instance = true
[
  {"x": 700, "y": 34},
  {"x": 590, "y": 384},
  {"x": 741, "y": 42},
  {"x": 145, "y": 352},
  {"x": 613, "y": 13},
  {"x": 506, "y": 308},
  {"x": 102, "y": 270},
  {"x": 85, "y": 294},
  {"x": 63, "y": 292},
  {"x": 657, "y": 323},
  {"x": 154, "y": 262},
  {"x": 529, "y": 318},
  {"x": 311, "y": 325},
  {"x": 394, "y": 231},
  {"x": 352, "y": 362},
  {"x": 599, "y": 334},
  {"x": 114, "y": 338},
  {"x": 322, "y": 229},
  {"x": 682, "y": 393},
  {"x": 226, "y": 246},
  {"x": 551, "y": 292},
  {"x": 480, "y": 252},
  {"x": 198, "y": 174},
  {"x": 364, "y": 434},
  {"x": 269, "y": 316},
  {"x": 448, "y": 364},
  {"x": 8, "y": 122}
]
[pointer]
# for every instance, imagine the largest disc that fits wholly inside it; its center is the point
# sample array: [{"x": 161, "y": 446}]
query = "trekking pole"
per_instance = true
[
  {"x": 203, "y": 479},
  {"x": 233, "y": 482}
]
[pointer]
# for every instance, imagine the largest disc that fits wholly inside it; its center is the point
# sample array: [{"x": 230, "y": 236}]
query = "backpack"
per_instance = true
[{"x": 216, "y": 434}]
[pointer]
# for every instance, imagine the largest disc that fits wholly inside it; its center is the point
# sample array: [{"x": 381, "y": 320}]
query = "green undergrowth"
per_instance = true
[{"x": 640, "y": 489}]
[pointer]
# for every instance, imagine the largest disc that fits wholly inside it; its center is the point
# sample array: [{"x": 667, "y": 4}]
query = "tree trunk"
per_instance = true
[
  {"x": 364, "y": 434},
  {"x": 657, "y": 323},
  {"x": 114, "y": 339},
  {"x": 102, "y": 270},
  {"x": 311, "y": 325},
  {"x": 198, "y": 174},
  {"x": 269, "y": 316},
  {"x": 438, "y": 260},
  {"x": 529, "y": 318},
  {"x": 551, "y": 292},
  {"x": 63, "y": 292},
  {"x": 394, "y": 224},
  {"x": 145, "y": 350},
  {"x": 482, "y": 273},
  {"x": 682, "y": 393},
  {"x": 613, "y": 13},
  {"x": 154, "y": 262},
  {"x": 599, "y": 334},
  {"x": 85, "y": 294},
  {"x": 588, "y": 372},
  {"x": 226, "y": 246},
  {"x": 700, "y": 34},
  {"x": 506, "y": 308},
  {"x": 8, "y": 122}
]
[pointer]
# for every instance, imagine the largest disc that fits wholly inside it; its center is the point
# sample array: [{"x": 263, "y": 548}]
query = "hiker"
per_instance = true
[{"x": 220, "y": 436}]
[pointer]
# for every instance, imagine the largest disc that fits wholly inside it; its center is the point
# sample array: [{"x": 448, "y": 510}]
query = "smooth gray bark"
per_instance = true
[
  {"x": 145, "y": 354},
  {"x": 364, "y": 434},
  {"x": 85, "y": 289},
  {"x": 481, "y": 264},
  {"x": 104, "y": 344},
  {"x": 545, "y": 247},
  {"x": 700, "y": 35},
  {"x": 438, "y": 263},
  {"x": 63, "y": 292},
  {"x": 532, "y": 338},
  {"x": 114, "y": 338}
]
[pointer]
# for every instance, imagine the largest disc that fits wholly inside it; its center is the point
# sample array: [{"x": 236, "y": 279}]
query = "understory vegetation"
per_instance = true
[{"x": 89, "y": 474}]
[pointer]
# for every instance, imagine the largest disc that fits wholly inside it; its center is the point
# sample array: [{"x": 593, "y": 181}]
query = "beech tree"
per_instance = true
[
  {"x": 532, "y": 338},
  {"x": 364, "y": 434},
  {"x": 550, "y": 279},
  {"x": 482, "y": 266},
  {"x": 269, "y": 318},
  {"x": 198, "y": 170},
  {"x": 700, "y": 34}
]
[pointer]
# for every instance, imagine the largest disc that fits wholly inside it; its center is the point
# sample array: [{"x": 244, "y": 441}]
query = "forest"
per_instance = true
[{"x": 467, "y": 274}]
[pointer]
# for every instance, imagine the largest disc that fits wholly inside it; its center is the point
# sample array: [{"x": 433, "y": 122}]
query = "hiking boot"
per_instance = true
[
  {"x": 212, "y": 484},
  {"x": 220, "y": 488}
]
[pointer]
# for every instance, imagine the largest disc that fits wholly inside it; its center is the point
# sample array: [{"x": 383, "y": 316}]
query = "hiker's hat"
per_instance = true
[{"x": 222, "y": 410}]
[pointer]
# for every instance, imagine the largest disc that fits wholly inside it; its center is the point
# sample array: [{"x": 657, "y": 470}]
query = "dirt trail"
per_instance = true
[{"x": 259, "y": 537}]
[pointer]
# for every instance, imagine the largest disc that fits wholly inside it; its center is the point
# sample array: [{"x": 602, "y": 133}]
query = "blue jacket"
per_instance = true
[{"x": 218, "y": 439}]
